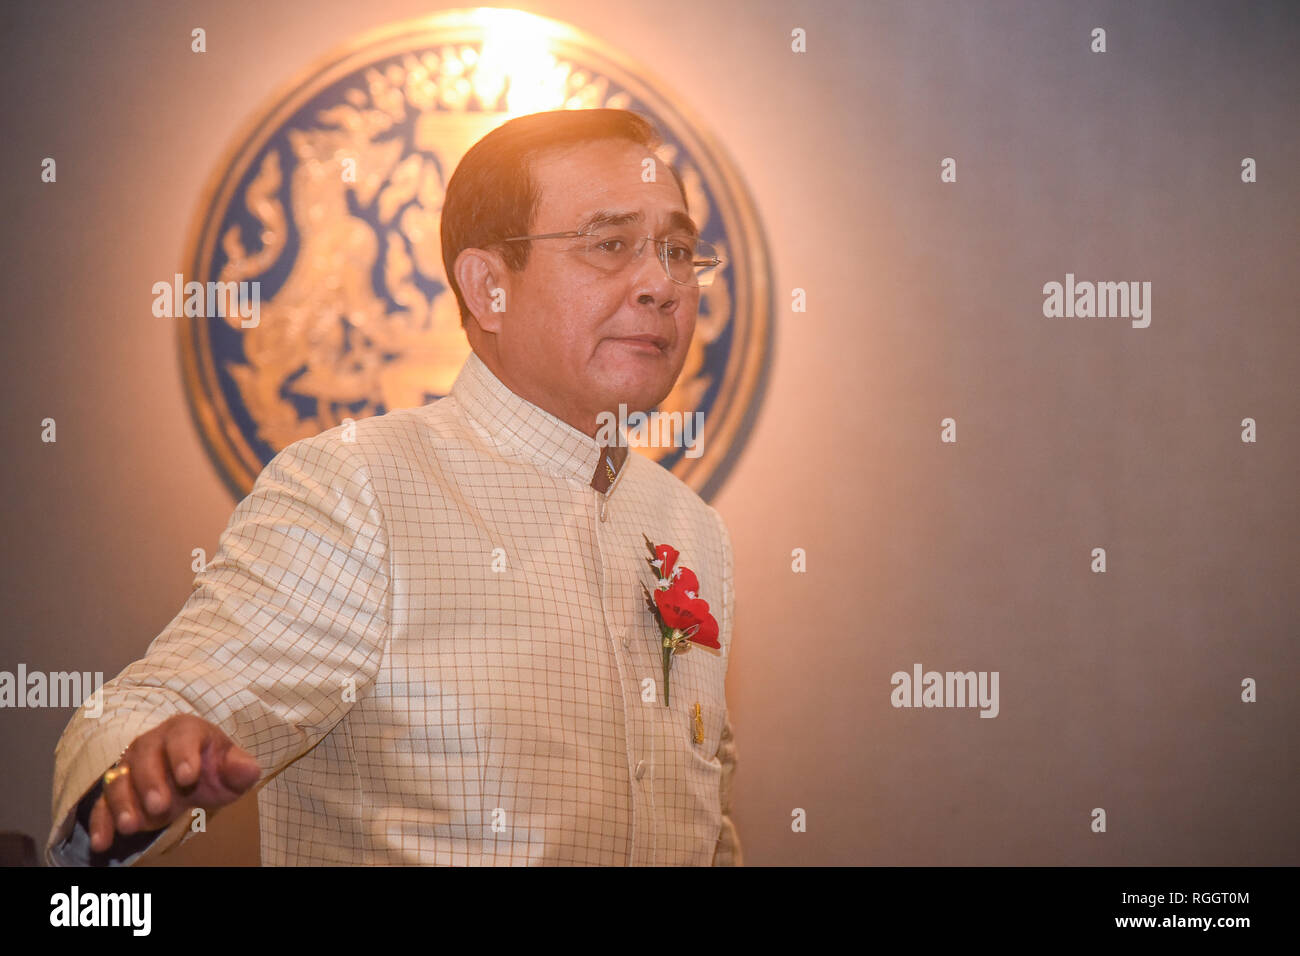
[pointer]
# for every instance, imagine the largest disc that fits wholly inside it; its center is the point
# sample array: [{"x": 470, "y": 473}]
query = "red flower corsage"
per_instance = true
[{"x": 681, "y": 613}]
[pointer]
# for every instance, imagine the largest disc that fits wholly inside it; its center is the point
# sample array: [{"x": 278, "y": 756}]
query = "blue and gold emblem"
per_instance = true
[{"x": 330, "y": 201}]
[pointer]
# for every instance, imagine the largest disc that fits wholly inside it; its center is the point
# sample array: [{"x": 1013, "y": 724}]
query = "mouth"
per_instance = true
[{"x": 647, "y": 343}]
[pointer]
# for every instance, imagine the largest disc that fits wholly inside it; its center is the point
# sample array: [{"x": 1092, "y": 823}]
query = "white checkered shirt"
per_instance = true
[{"x": 433, "y": 639}]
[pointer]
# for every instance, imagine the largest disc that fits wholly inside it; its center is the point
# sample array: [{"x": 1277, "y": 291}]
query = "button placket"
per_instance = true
[{"x": 643, "y": 827}]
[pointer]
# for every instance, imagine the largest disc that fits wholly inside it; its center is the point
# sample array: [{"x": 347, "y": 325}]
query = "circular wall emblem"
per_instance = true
[{"x": 329, "y": 202}]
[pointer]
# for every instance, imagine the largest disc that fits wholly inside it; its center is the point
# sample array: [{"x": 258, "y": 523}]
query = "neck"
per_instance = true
[{"x": 582, "y": 418}]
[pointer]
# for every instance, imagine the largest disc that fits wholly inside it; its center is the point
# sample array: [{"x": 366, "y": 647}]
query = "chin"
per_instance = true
[
  {"x": 637, "y": 396},
  {"x": 637, "y": 391}
]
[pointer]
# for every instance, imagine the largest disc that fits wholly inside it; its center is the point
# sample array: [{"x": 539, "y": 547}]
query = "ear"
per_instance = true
[{"x": 484, "y": 281}]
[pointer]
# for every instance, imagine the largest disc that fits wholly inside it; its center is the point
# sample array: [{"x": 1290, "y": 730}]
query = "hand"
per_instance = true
[{"x": 183, "y": 763}]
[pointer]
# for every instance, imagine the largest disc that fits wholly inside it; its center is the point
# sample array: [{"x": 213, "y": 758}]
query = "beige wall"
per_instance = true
[{"x": 1118, "y": 690}]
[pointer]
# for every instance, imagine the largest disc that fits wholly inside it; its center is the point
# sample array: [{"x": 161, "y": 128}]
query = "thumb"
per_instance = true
[{"x": 238, "y": 769}]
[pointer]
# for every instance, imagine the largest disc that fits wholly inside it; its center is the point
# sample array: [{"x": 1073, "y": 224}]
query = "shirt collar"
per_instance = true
[{"x": 517, "y": 428}]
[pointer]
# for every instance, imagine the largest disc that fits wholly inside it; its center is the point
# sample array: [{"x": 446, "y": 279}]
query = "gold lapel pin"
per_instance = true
[{"x": 699, "y": 725}]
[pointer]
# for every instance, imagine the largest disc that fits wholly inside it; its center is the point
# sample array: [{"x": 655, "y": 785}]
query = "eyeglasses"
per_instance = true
[{"x": 686, "y": 260}]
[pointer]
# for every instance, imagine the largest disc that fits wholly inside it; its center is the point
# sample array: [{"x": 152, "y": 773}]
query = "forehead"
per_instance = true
[{"x": 607, "y": 175}]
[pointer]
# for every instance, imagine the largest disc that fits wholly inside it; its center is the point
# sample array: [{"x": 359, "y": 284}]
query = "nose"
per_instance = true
[{"x": 650, "y": 282}]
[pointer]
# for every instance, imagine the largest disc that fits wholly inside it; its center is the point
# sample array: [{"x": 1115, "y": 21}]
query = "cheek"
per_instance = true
[
  {"x": 586, "y": 314},
  {"x": 686, "y": 316},
  {"x": 577, "y": 304}
]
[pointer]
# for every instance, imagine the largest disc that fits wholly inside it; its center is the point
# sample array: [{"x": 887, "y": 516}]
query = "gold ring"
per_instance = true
[{"x": 112, "y": 773}]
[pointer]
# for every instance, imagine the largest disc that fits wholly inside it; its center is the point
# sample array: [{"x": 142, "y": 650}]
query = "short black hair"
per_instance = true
[{"x": 493, "y": 195}]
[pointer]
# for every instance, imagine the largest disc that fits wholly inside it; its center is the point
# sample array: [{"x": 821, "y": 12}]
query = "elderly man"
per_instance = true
[{"x": 442, "y": 639}]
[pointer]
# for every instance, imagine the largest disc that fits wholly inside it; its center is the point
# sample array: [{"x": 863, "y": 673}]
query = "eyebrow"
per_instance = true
[{"x": 678, "y": 220}]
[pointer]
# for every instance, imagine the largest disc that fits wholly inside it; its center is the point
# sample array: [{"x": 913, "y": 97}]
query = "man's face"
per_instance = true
[{"x": 565, "y": 338}]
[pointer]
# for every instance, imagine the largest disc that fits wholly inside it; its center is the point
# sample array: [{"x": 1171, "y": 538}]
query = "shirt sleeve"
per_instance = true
[
  {"x": 728, "y": 851},
  {"x": 285, "y": 628}
]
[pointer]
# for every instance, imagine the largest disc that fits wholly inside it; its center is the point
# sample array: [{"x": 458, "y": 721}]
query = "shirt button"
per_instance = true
[
  {"x": 640, "y": 769},
  {"x": 626, "y": 643}
]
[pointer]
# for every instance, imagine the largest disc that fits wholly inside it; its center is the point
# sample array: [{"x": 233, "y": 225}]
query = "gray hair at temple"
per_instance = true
[{"x": 492, "y": 195}]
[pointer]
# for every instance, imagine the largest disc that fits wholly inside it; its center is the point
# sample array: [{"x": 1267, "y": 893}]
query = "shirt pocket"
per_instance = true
[{"x": 699, "y": 677}]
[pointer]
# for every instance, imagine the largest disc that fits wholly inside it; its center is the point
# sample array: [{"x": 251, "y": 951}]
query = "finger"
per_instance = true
[
  {"x": 184, "y": 746},
  {"x": 151, "y": 778},
  {"x": 101, "y": 825},
  {"x": 122, "y": 804}
]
